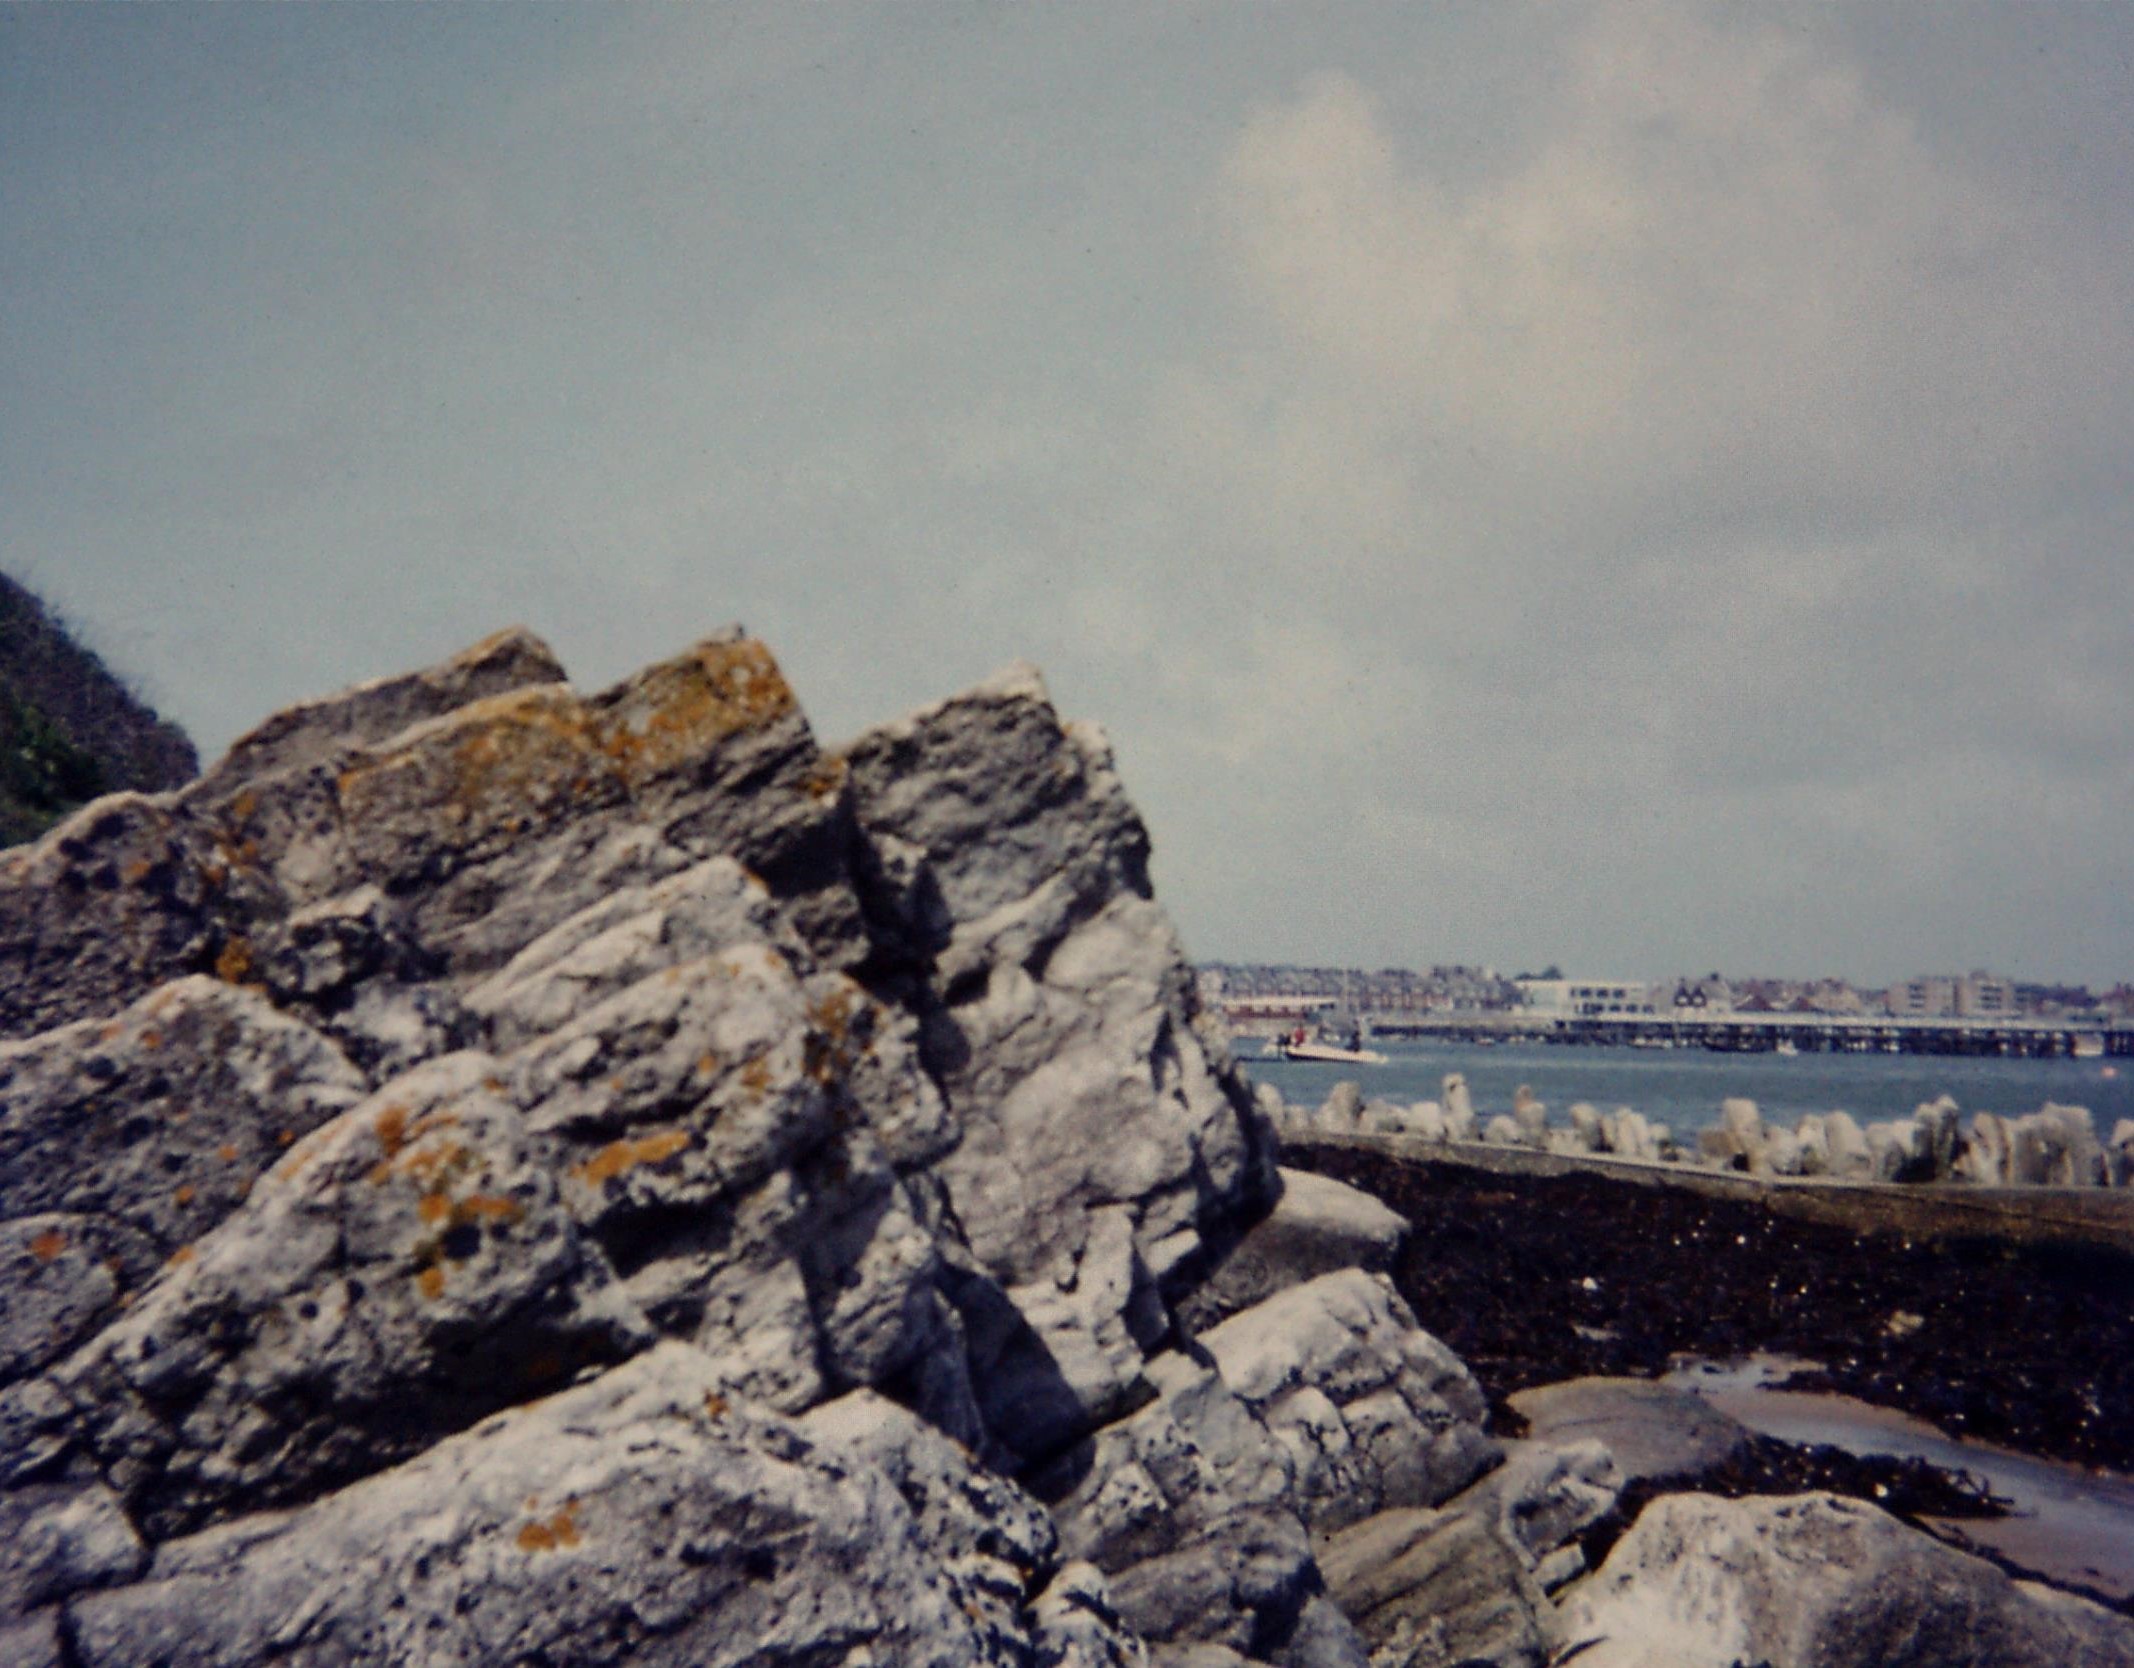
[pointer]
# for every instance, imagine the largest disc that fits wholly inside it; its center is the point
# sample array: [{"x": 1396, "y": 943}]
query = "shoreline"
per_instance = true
[{"x": 1537, "y": 1268}]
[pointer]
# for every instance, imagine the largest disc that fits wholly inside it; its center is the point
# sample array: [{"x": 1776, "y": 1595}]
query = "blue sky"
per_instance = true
[{"x": 1640, "y": 487}]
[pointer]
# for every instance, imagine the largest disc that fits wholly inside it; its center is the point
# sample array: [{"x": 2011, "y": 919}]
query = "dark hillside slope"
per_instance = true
[{"x": 69, "y": 730}]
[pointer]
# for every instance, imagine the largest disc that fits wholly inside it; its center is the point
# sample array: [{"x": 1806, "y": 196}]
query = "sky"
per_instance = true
[{"x": 1640, "y": 487}]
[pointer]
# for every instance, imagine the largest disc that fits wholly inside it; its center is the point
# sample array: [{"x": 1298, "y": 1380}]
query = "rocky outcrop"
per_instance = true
[
  {"x": 472, "y": 1097},
  {"x": 492, "y": 1173}
]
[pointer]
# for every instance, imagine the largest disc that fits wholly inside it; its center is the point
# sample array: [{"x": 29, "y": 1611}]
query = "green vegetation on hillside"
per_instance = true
[
  {"x": 69, "y": 729},
  {"x": 43, "y": 775}
]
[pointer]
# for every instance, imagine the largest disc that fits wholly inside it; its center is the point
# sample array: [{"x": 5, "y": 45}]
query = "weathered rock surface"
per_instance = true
[
  {"x": 1372, "y": 1411},
  {"x": 639, "y": 1518},
  {"x": 491, "y": 1173},
  {"x": 1318, "y": 1226},
  {"x": 1651, "y": 1432},
  {"x": 1822, "y": 1581},
  {"x": 1438, "y": 1589}
]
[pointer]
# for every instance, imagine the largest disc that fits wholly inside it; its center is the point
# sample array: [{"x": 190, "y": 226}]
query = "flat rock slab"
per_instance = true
[
  {"x": 1318, "y": 1226},
  {"x": 1656, "y": 1434},
  {"x": 1817, "y": 1582}
]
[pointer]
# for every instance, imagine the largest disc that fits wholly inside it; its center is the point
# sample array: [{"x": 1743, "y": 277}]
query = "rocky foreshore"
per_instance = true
[
  {"x": 495, "y": 1174},
  {"x": 2055, "y": 1146}
]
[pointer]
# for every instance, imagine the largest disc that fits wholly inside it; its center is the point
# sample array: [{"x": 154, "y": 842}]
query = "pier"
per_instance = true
[{"x": 1759, "y": 1033}]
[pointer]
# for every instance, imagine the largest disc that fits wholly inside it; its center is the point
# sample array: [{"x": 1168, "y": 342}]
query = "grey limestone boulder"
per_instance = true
[
  {"x": 639, "y": 1519},
  {"x": 1372, "y": 1411},
  {"x": 1438, "y": 1589},
  {"x": 151, "y": 1126},
  {"x": 1187, "y": 1506},
  {"x": 1650, "y": 1432},
  {"x": 1318, "y": 1226},
  {"x": 1061, "y": 1016},
  {"x": 402, "y": 1272},
  {"x": 1816, "y": 1580}
]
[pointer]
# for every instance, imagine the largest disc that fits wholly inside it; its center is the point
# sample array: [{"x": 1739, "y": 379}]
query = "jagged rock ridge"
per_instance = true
[{"x": 490, "y": 1173}]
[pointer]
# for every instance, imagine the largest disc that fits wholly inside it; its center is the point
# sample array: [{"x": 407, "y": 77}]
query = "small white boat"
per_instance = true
[
  {"x": 1328, "y": 1054},
  {"x": 1788, "y": 1047},
  {"x": 2087, "y": 1045}
]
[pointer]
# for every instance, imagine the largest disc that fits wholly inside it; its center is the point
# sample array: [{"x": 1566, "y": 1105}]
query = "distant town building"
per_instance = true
[
  {"x": 1974, "y": 995},
  {"x": 1700, "y": 997},
  {"x": 1982, "y": 995},
  {"x": 1586, "y": 998},
  {"x": 1931, "y": 996}
]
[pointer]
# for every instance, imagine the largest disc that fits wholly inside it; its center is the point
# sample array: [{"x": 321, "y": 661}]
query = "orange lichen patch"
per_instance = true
[
  {"x": 185, "y": 1193},
  {"x": 180, "y": 1257},
  {"x": 151, "y": 1040},
  {"x": 109, "y": 1031},
  {"x": 433, "y": 1207},
  {"x": 214, "y": 875},
  {"x": 756, "y": 1076},
  {"x": 138, "y": 870},
  {"x": 677, "y": 711},
  {"x": 546, "y": 1535},
  {"x": 227, "y": 1152},
  {"x": 392, "y": 1127},
  {"x": 495, "y": 1085},
  {"x": 244, "y": 805},
  {"x": 284, "y": 1137},
  {"x": 714, "y": 1405},
  {"x": 432, "y": 1166},
  {"x": 431, "y": 1281},
  {"x": 234, "y": 965},
  {"x": 488, "y": 1207},
  {"x": 619, "y": 1157},
  {"x": 494, "y": 766},
  {"x": 834, "y": 1012},
  {"x": 48, "y": 1245},
  {"x": 707, "y": 1064},
  {"x": 825, "y": 777}
]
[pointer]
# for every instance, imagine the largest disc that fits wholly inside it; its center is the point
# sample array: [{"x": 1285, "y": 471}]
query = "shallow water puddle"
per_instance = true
[{"x": 2065, "y": 1523}]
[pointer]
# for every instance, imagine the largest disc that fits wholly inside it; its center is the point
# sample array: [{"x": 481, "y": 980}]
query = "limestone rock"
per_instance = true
[
  {"x": 1185, "y": 1505},
  {"x": 1532, "y": 1117},
  {"x": 1317, "y": 1227},
  {"x": 1940, "y": 1134},
  {"x": 1437, "y": 1589},
  {"x": 1818, "y": 1580},
  {"x": 61, "y": 1276},
  {"x": 404, "y": 1271},
  {"x": 1061, "y": 1016},
  {"x": 60, "y": 1538},
  {"x": 1546, "y": 1493},
  {"x": 1651, "y": 1432},
  {"x": 1372, "y": 1410},
  {"x": 160, "y": 1118},
  {"x": 2055, "y": 1146},
  {"x": 640, "y": 1519}
]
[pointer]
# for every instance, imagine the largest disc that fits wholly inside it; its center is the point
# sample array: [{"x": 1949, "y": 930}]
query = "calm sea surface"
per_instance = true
[{"x": 1683, "y": 1087}]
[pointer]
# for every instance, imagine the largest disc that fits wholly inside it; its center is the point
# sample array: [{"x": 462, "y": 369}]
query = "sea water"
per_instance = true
[{"x": 1682, "y": 1087}]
